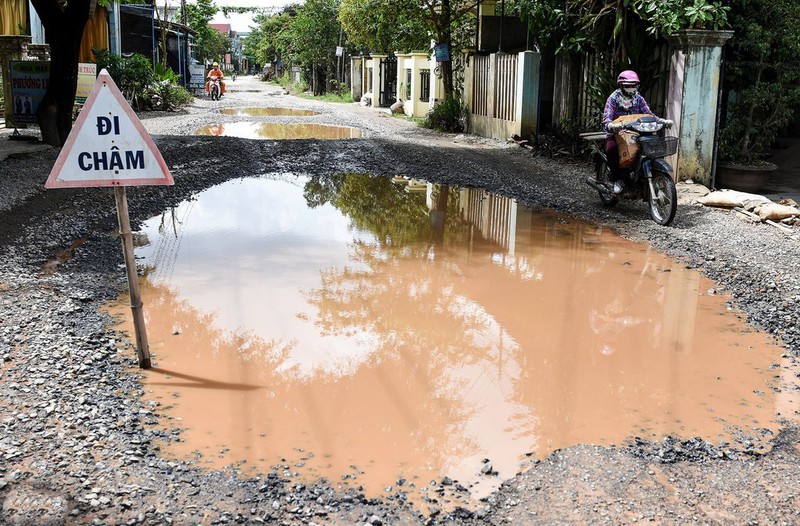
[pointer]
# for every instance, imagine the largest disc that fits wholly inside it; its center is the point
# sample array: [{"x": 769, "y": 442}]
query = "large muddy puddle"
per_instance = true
[
  {"x": 276, "y": 130},
  {"x": 347, "y": 327}
]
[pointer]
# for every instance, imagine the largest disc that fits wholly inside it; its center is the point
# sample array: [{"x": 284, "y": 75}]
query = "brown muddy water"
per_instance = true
[
  {"x": 347, "y": 327},
  {"x": 276, "y": 130},
  {"x": 268, "y": 112}
]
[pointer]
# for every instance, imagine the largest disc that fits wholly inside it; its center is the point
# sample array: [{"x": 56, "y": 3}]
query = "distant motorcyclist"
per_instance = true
[
  {"x": 216, "y": 73},
  {"x": 625, "y": 100}
]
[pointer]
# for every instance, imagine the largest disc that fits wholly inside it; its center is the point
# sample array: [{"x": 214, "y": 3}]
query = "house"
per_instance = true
[
  {"x": 381, "y": 80},
  {"x": 121, "y": 28},
  {"x": 232, "y": 61},
  {"x": 142, "y": 28}
]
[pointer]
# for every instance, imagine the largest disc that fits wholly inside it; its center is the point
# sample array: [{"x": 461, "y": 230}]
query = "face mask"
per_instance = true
[{"x": 630, "y": 90}]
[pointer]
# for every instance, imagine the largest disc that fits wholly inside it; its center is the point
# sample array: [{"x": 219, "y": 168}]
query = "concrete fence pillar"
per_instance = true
[
  {"x": 491, "y": 95},
  {"x": 356, "y": 77},
  {"x": 527, "y": 110},
  {"x": 693, "y": 98},
  {"x": 377, "y": 79},
  {"x": 12, "y": 47}
]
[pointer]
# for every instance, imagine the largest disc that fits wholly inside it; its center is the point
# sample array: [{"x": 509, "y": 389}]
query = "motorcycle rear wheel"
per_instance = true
[
  {"x": 603, "y": 176},
  {"x": 664, "y": 203}
]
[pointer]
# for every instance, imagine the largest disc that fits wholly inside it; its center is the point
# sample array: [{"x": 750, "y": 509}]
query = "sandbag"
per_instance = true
[
  {"x": 775, "y": 211},
  {"x": 731, "y": 199},
  {"x": 688, "y": 193}
]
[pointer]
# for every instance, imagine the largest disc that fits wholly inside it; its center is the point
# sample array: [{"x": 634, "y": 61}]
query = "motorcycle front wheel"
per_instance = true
[
  {"x": 664, "y": 203},
  {"x": 214, "y": 93}
]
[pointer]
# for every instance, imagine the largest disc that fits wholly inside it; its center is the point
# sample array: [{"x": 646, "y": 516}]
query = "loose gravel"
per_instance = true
[{"x": 79, "y": 446}]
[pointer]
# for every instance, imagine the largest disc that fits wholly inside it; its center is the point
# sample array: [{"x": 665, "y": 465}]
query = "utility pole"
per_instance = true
[
  {"x": 185, "y": 45},
  {"x": 339, "y": 76}
]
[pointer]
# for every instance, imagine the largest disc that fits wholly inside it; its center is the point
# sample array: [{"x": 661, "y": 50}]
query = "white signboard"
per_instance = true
[
  {"x": 108, "y": 145},
  {"x": 197, "y": 78},
  {"x": 87, "y": 74}
]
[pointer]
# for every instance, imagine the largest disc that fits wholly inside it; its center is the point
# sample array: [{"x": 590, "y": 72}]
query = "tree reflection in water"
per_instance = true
[{"x": 480, "y": 329}]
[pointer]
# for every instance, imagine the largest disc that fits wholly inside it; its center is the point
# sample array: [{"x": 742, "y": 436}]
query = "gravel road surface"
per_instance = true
[{"x": 79, "y": 446}]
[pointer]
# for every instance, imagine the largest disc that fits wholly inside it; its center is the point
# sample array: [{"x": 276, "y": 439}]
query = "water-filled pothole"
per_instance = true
[
  {"x": 343, "y": 326},
  {"x": 271, "y": 130},
  {"x": 268, "y": 112}
]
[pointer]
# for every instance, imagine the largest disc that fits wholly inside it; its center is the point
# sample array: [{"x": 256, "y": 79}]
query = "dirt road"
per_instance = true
[{"x": 79, "y": 446}]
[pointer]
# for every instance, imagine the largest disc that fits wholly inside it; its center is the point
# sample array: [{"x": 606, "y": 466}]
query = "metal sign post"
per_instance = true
[{"x": 108, "y": 146}]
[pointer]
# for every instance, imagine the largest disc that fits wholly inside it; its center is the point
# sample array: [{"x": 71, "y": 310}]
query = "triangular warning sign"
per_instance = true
[{"x": 108, "y": 146}]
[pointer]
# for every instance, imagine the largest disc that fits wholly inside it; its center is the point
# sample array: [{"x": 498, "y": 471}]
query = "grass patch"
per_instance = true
[
  {"x": 450, "y": 116},
  {"x": 345, "y": 97},
  {"x": 419, "y": 121}
]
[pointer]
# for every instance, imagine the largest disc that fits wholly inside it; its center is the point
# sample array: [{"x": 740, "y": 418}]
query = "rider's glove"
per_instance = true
[
  {"x": 615, "y": 126},
  {"x": 666, "y": 122}
]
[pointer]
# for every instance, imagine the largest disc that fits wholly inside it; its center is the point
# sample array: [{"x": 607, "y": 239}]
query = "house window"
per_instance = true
[
  {"x": 408, "y": 84},
  {"x": 425, "y": 85}
]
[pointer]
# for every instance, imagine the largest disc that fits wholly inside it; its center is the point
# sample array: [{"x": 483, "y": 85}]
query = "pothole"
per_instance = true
[
  {"x": 270, "y": 130},
  {"x": 268, "y": 112},
  {"x": 344, "y": 327}
]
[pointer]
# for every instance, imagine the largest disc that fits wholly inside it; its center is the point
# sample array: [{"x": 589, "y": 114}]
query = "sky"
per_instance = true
[{"x": 241, "y": 22}]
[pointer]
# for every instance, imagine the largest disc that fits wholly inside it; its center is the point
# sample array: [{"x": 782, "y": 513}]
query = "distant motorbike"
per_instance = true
[
  {"x": 233, "y": 76},
  {"x": 649, "y": 178},
  {"x": 214, "y": 88}
]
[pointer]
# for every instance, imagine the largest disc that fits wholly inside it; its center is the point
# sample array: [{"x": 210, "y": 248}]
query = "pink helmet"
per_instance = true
[{"x": 628, "y": 76}]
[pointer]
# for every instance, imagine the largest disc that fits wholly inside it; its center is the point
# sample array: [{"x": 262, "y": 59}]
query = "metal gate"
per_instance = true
[{"x": 388, "y": 80}]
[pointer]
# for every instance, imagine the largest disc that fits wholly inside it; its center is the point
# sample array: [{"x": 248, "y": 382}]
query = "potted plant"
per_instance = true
[{"x": 762, "y": 80}]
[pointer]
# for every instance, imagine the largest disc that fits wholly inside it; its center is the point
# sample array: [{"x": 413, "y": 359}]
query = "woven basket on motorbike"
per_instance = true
[{"x": 658, "y": 146}]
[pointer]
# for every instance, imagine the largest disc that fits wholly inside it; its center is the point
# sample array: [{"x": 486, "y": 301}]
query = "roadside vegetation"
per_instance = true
[
  {"x": 318, "y": 36},
  {"x": 620, "y": 34},
  {"x": 145, "y": 87},
  {"x": 210, "y": 43},
  {"x": 344, "y": 97}
]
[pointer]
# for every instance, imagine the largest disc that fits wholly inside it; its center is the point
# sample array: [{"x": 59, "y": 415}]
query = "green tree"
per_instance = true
[
  {"x": 211, "y": 44},
  {"x": 761, "y": 68},
  {"x": 384, "y": 26},
  {"x": 612, "y": 25},
  {"x": 450, "y": 22},
  {"x": 623, "y": 34},
  {"x": 265, "y": 40},
  {"x": 311, "y": 40}
]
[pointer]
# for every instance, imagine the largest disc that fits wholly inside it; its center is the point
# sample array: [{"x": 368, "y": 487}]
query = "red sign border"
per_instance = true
[{"x": 105, "y": 79}]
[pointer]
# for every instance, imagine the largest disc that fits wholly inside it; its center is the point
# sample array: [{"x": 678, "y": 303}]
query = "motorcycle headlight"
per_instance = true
[{"x": 647, "y": 127}]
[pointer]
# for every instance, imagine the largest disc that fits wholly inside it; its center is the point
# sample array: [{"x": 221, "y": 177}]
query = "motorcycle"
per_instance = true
[
  {"x": 649, "y": 177},
  {"x": 233, "y": 76},
  {"x": 214, "y": 88}
]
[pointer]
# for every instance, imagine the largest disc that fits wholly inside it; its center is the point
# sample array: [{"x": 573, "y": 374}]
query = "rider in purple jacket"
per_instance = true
[{"x": 624, "y": 101}]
